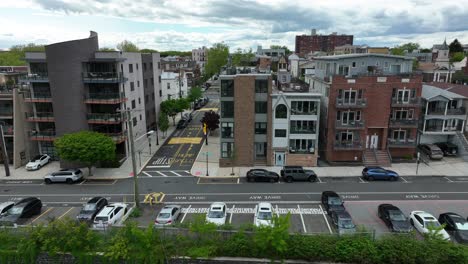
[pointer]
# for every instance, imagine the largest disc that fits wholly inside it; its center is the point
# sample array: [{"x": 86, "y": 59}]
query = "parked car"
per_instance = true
[
  {"x": 5, "y": 206},
  {"x": 331, "y": 201},
  {"x": 297, "y": 173},
  {"x": 187, "y": 116},
  {"x": 168, "y": 215},
  {"x": 25, "y": 208},
  {"x": 449, "y": 149},
  {"x": 262, "y": 175},
  {"x": 110, "y": 215},
  {"x": 379, "y": 173},
  {"x": 37, "y": 162},
  {"x": 183, "y": 123},
  {"x": 456, "y": 225},
  {"x": 197, "y": 105},
  {"x": 343, "y": 222},
  {"x": 65, "y": 175},
  {"x": 432, "y": 151},
  {"x": 394, "y": 218},
  {"x": 423, "y": 221},
  {"x": 263, "y": 215},
  {"x": 91, "y": 209},
  {"x": 217, "y": 213}
]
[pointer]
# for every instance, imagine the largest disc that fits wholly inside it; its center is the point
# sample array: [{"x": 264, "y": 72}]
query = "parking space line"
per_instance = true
[
  {"x": 65, "y": 213},
  {"x": 319, "y": 180},
  {"x": 277, "y": 211},
  {"x": 183, "y": 217},
  {"x": 449, "y": 180},
  {"x": 199, "y": 178},
  {"x": 177, "y": 174},
  {"x": 188, "y": 172},
  {"x": 147, "y": 174},
  {"x": 232, "y": 210},
  {"x": 161, "y": 174},
  {"x": 403, "y": 179},
  {"x": 81, "y": 183},
  {"x": 302, "y": 219},
  {"x": 362, "y": 181},
  {"x": 238, "y": 179},
  {"x": 326, "y": 220},
  {"x": 39, "y": 216}
]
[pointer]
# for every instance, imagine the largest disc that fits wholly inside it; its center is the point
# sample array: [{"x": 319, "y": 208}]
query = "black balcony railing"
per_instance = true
[
  {"x": 350, "y": 124},
  {"x": 42, "y": 135},
  {"x": 401, "y": 142},
  {"x": 308, "y": 112},
  {"x": 297, "y": 130},
  {"x": 412, "y": 102},
  {"x": 103, "y": 77},
  {"x": 104, "y": 117},
  {"x": 6, "y": 112},
  {"x": 348, "y": 145},
  {"x": 105, "y": 98},
  {"x": 436, "y": 111},
  {"x": 38, "y": 76},
  {"x": 403, "y": 122},
  {"x": 40, "y": 116},
  {"x": 38, "y": 95},
  {"x": 456, "y": 111},
  {"x": 351, "y": 103}
]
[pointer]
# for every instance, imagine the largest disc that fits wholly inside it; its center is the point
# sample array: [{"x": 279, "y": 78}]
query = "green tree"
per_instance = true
[
  {"x": 170, "y": 107},
  {"x": 287, "y": 50},
  {"x": 127, "y": 46},
  {"x": 106, "y": 49},
  {"x": 457, "y": 56},
  {"x": 163, "y": 123},
  {"x": 455, "y": 46},
  {"x": 273, "y": 239},
  {"x": 14, "y": 57},
  {"x": 400, "y": 50},
  {"x": 426, "y": 50},
  {"x": 194, "y": 94},
  {"x": 217, "y": 58},
  {"x": 86, "y": 147},
  {"x": 211, "y": 118},
  {"x": 176, "y": 53},
  {"x": 415, "y": 64},
  {"x": 242, "y": 57},
  {"x": 148, "y": 51}
]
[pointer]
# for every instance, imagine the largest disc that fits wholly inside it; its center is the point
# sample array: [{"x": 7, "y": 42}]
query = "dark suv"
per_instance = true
[
  {"x": 91, "y": 208},
  {"x": 331, "y": 201},
  {"x": 25, "y": 208},
  {"x": 449, "y": 149},
  {"x": 297, "y": 173}
]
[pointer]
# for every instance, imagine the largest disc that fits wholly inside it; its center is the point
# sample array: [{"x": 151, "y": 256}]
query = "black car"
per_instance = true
[
  {"x": 187, "y": 116},
  {"x": 331, "y": 201},
  {"x": 91, "y": 208},
  {"x": 343, "y": 222},
  {"x": 183, "y": 123},
  {"x": 297, "y": 173},
  {"x": 394, "y": 218},
  {"x": 25, "y": 208},
  {"x": 262, "y": 175},
  {"x": 449, "y": 149},
  {"x": 456, "y": 226}
]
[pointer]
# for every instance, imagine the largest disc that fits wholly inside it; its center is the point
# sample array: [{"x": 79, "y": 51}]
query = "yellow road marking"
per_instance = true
[
  {"x": 208, "y": 109},
  {"x": 42, "y": 214},
  {"x": 185, "y": 140},
  {"x": 65, "y": 213}
]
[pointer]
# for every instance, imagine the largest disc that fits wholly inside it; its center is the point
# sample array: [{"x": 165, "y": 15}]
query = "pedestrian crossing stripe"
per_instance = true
[
  {"x": 185, "y": 140},
  {"x": 235, "y": 210}
]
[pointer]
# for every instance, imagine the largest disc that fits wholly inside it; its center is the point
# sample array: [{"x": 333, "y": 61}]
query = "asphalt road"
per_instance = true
[{"x": 176, "y": 157}]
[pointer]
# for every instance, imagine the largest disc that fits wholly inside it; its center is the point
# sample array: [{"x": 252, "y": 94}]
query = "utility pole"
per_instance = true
[
  {"x": 418, "y": 160},
  {"x": 4, "y": 152},
  {"x": 132, "y": 152},
  {"x": 207, "y": 174},
  {"x": 180, "y": 88}
]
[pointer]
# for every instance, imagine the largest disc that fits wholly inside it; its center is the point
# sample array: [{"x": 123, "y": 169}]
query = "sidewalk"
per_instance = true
[
  {"x": 447, "y": 167},
  {"x": 124, "y": 171}
]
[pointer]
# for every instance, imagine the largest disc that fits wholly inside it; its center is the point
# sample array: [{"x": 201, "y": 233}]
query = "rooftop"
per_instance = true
[
  {"x": 431, "y": 91},
  {"x": 459, "y": 89},
  {"x": 361, "y": 55}
]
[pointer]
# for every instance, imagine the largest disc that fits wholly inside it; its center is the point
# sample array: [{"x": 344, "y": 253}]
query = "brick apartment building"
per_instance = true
[
  {"x": 72, "y": 86},
  {"x": 306, "y": 44},
  {"x": 245, "y": 119},
  {"x": 370, "y": 107}
]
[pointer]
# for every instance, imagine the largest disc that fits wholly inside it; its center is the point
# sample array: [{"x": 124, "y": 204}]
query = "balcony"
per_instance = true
[
  {"x": 404, "y": 143},
  {"x": 42, "y": 135},
  {"x": 104, "y": 98},
  {"x": 408, "y": 123},
  {"x": 411, "y": 102},
  {"x": 40, "y": 117},
  {"x": 350, "y": 103},
  {"x": 297, "y": 130},
  {"x": 118, "y": 137},
  {"x": 44, "y": 97},
  {"x": 456, "y": 111},
  {"x": 35, "y": 77},
  {"x": 103, "y": 77},
  {"x": 349, "y": 125},
  {"x": 6, "y": 113},
  {"x": 8, "y": 131},
  {"x": 348, "y": 145},
  {"x": 104, "y": 118}
]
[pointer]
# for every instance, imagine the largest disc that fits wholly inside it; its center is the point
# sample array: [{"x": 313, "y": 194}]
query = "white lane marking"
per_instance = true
[
  {"x": 251, "y": 210},
  {"x": 198, "y": 182},
  {"x": 183, "y": 217},
  {"x": 232, "y": 212},
  {"x": 188, "y": 172},
  {"x": 81, "y": 183},
  {"x": 39, "y": 216},
  {"x": 162, "y": 166},
  {"x": 238, "y": 179},
  {"x": 403, "y": 179},
  {"x": 147, "y": 174},
  {"x": 362, "y": 181},
  {"x": 277, "y": 211},
  {"x": 298, "y": 193},
  {"x": 65, "y": 213},
  {"x": 326, "y": 220},
  {"x": 177, "y": 174},
  {"x": 449, "y": 180},
  {"x": 161, "y": 173},
  {"x": 302, "y": 219},
  {"x": 246, "y": 202},
  {"x": 319, "y": 180}
]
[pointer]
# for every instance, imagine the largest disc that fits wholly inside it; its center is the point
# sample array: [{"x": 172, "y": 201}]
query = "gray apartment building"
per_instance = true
[
  {"x": 245, "y": 119},
  {"x": 72, "y": 86}
]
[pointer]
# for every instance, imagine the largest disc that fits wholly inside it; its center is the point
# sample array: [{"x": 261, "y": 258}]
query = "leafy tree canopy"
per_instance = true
[
  {"x": 288, "y": 51},
  {"x": 127, "y": 46},
  {"x": 242, "y": 57},
  {"x": 400, "y": 50},
  {"x": 163, "y": 122},
  {"x": 194, "y": 94},
  {"x": 455, "y": 46},
  {"x": 86, "y": 147},
  {"x": 211, "y": 118},
  {"x": 176, "y": 53},
  {"x": 457, "y": 56},
  {"x": 106, "y": 49},
  {"x": 14, "y": 57},
  {"x": 217, "y": 58}
]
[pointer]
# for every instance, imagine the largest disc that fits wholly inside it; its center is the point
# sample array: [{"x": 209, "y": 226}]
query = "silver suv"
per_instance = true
[{"x": 65, "y": 175}]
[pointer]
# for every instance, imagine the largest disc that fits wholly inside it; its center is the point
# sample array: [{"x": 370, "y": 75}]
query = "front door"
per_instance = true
[
  {"x": 374, "y": 141},
  {"x": 279, "y": 158}
]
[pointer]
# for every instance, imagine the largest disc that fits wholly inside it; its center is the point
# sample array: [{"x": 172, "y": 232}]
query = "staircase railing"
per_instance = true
[
  {"x": 375, "y": 155},
  {"x": 389, "y": 155},
  {"x": 463, "y": 140}
]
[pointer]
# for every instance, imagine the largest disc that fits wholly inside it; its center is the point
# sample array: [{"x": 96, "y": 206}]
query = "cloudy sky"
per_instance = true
[{"x": 186, "y": 24}]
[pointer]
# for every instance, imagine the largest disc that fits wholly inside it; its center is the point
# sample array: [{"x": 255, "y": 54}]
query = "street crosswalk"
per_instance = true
[{"x": 165, "y": 173}]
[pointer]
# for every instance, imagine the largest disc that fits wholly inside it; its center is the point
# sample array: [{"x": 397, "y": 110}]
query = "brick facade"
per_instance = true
[{"x": 327, "y": 43}]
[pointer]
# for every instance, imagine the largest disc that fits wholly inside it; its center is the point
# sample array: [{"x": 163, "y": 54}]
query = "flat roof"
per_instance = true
[{"x": 360, "y": 55}]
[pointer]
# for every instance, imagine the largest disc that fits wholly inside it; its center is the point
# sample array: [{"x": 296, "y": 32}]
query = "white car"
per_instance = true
[
  {"x": 263, "y": 215},
  {"x": 217, "y": 213},
  {"x": 110, "y": 215},
  {"x": 168, "y": 215},
  {"x": 422, "y": 221},
  {"x": 5, "y": 206},
  {"x": 37, "y": 162}
]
